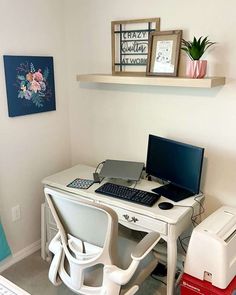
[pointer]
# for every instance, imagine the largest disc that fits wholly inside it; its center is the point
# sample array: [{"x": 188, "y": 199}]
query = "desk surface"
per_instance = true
[
  {"x": 8, "y": 288},
  {"x": 62, "y": 179}
]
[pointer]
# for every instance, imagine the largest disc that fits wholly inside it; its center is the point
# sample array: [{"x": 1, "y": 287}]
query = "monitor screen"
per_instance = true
[{"x": 175, "y": 162}]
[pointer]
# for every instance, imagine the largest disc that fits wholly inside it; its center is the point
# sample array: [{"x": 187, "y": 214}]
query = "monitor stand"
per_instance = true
[
  {"x": 173, "y": 192},
  {"x": 119, "y": 181}
]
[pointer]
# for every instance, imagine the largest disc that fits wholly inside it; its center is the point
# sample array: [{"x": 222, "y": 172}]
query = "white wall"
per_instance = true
[
  {"x": 109, "y": 121},
  {"x": 37, "y": 145}
]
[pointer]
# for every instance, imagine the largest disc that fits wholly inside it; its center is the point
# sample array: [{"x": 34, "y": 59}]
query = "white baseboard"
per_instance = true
[{"x": 11, "y": 260}]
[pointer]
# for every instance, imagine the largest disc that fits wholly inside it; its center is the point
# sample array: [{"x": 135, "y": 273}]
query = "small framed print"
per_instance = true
[
  {"x": 130, "y": 44},
  {"x": 163, "y": 54}
]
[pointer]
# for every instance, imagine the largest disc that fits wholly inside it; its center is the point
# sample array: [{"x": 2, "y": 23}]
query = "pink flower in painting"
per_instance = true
[
  {"x": 35, "y": 86},
  {"x": 38, "y": 76},
  {"x": 29, "y": 77}
]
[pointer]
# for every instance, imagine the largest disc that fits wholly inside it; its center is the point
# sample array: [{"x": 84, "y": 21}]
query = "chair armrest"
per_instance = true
[
  {"x": 145, "y": 245},
  {"x": 122, "y": 276},
  {"x": 118, "y": 275}
]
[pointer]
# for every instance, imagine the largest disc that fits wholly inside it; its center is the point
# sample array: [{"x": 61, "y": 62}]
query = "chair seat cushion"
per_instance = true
[
  {"x": 127, "y": 241},
  {"x": 146, "y": 266}
]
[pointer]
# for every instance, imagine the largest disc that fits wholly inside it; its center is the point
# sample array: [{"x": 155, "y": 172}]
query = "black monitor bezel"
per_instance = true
[{"x": 151, "y": 173}]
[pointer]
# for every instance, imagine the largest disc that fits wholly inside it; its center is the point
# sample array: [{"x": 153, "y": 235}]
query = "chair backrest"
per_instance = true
[
  {"x": 89, "y": 222},
  {"x": 85, "y": 248}
]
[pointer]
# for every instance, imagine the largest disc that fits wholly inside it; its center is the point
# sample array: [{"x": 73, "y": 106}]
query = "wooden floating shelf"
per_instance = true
[{"x": 152, "y": 80}]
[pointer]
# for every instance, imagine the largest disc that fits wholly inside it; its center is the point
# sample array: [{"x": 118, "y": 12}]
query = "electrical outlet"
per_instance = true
[{"x": 15, "y": 212}]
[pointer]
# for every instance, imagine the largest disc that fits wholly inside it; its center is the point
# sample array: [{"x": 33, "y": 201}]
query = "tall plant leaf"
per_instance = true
[{"x": 197, "y": 47}]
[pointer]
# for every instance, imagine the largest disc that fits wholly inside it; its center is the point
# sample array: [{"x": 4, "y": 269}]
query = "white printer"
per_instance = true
[{"x": 211, "y": 254}]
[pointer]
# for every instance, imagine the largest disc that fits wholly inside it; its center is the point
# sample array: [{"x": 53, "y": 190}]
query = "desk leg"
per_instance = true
[
  {"x": 171, "y": 259},
  {"x": 43, "y": 232}
]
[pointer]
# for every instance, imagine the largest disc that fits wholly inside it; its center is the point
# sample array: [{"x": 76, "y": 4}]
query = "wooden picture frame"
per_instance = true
[
  {"x": 164, "y": 52},
  {"x": 130, "y": 44}
]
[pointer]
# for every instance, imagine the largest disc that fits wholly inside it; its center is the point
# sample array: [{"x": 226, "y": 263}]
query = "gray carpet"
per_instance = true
[{"x": 31, "y": 274}]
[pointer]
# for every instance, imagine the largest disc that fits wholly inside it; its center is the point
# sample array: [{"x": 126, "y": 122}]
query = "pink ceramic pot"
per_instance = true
[{"x": 196, "y": 68}]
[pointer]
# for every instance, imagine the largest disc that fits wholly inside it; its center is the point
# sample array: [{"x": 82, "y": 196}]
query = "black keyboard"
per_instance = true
[{"x": 128, "y": 194}]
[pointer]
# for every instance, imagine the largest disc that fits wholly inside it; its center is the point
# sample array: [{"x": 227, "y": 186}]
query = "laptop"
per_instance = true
[{"x": 126, "y": 170}]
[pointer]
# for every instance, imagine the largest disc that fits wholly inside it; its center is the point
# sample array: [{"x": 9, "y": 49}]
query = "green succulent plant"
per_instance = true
[{"x": 196, "y": 48}]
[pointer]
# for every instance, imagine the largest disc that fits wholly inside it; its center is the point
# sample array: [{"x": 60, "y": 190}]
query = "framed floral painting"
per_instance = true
[{"x": 30, "y": 84}]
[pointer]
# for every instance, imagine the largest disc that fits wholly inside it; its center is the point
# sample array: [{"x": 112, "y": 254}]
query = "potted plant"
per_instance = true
[{"x": 196, "y": 68}]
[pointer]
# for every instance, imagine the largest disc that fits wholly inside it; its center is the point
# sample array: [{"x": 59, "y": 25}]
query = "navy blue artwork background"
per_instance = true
[{"x": 18, "y": 106}]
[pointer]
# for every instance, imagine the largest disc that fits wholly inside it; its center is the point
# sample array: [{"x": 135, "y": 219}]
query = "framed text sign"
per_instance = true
[{"x": 130, "y": 44}]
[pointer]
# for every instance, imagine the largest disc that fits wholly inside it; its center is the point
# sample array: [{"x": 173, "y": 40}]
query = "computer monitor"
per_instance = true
[{"x": 177, "y": 163}]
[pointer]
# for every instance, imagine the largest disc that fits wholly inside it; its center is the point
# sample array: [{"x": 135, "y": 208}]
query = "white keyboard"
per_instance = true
[{"x": 5, "y": 291}]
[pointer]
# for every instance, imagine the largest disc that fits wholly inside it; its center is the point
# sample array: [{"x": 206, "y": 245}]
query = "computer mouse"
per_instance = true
[{"x": 165, "y": 205}]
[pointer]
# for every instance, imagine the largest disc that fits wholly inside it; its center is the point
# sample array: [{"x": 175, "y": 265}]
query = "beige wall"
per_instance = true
[
  {"x": 32, "y": 146},
  {"x": 109, "y": 121}
]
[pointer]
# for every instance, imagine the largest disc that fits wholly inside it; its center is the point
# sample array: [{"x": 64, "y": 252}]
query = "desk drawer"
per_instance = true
[{"x": 137, "y": 221}]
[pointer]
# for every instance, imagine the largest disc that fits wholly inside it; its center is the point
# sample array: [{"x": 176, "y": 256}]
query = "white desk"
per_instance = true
[
  {"x": 8, "y": 288},
  {"x": 169, "y": 223}
]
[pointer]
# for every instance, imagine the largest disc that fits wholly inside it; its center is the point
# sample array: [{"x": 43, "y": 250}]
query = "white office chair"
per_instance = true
[{"x": 89, "y": 255}]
